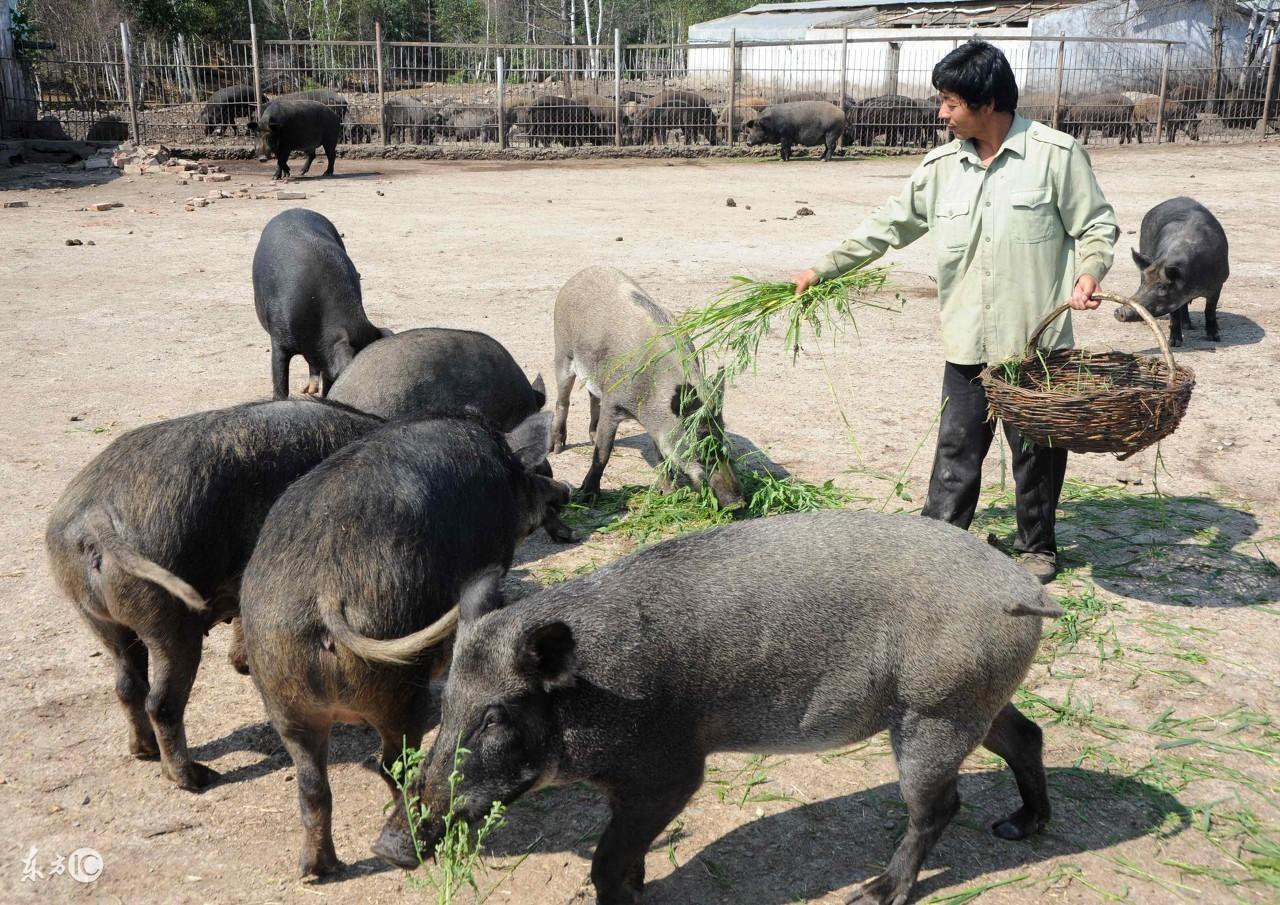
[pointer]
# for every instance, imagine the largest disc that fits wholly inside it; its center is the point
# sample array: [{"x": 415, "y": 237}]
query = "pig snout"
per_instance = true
[
  {"x": 1126, "y": 315},
  {"x": 395, "y": 843},
  {"x": 724, "y": 484}
]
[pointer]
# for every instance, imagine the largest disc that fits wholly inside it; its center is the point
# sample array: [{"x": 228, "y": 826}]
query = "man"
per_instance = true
[{"x": 1020, "y": 224}]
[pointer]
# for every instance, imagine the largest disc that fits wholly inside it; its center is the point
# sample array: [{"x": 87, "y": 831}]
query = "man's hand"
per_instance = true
[
  {"x": 808, "y": 278},
  {"x": 1081, "y": 298}
]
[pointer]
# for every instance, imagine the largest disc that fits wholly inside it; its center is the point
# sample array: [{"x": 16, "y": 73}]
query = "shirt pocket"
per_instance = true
[
  {"x": 952, "y": 224},
  {"x": 1035, "y": 216}
]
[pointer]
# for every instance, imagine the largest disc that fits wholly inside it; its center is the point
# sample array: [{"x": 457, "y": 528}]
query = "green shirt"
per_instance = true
[{"x": 1013, "y": 237}]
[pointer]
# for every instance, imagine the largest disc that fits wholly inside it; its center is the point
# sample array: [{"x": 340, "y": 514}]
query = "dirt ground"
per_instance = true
[{"x": 1157, "y": 692}]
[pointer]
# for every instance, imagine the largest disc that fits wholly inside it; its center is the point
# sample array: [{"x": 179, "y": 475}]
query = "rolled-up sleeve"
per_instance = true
[
  {"x": 896, "y": 223},
  {"x": 1087, "y": 216}
]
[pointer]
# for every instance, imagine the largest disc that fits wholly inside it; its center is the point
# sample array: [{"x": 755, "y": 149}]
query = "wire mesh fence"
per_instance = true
[{"x": 1102, "y": 91}]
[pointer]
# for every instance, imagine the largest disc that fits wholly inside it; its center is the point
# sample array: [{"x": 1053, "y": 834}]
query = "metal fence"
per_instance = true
[{"x": 1103, "y": 91}]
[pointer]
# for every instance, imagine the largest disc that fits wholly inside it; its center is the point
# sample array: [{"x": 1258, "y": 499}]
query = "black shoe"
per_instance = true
[{"x": 1042, "y": 566}]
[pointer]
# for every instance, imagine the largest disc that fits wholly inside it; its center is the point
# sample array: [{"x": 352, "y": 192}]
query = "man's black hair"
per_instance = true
[{"x": 978, "y": 73}]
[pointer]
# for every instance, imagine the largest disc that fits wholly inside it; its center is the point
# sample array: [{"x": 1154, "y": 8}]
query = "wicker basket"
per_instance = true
[{"x": 1085, "y": 401}]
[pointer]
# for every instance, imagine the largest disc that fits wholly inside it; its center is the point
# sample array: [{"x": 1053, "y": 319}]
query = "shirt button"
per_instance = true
[
  {"x": 988, "y": 204},
  {"x": 988, "y": 273},
  {"x": 988, "y": 238}
]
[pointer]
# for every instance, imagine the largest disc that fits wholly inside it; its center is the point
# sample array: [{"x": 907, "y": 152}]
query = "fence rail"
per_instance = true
[{"x": 1102, "y": 90}]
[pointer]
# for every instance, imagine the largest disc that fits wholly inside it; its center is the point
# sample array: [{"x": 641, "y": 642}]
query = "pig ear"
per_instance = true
[
  {"x": 1141, "y": 260},
  {"x": 482, "y": 594},
  {"x": 547, "y": 655},
  {"x": 531, "y": 440},
  {"x": 252, "y": 126},
  {"x": 1171, "y": 273},
  {"x": 539, "y": 390}
]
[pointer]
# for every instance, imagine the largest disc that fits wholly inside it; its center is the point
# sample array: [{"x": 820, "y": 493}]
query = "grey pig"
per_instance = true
[
  {"x": 799, "y": 123},
  {"x": 606, "y": 328},
  {"x": 797, "y": 633},
  {"x": 1182, "y": 254},
  {"x": 350, "y": 596},
  {"x": 293, "y": 124},
  {"x": 307, "y": 295},
  {"x": 149, "y": 541}
]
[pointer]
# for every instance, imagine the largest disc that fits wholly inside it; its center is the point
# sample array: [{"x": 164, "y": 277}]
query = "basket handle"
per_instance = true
[{"x": 1108, "y": 297}]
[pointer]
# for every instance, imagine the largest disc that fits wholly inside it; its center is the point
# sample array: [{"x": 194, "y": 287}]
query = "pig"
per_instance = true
[
  {"x": 1111, "y": 114},
  {"x": 307, "y": 295},
  {"x": 671, "y": 110},
  {"x": 797, "y": 633},
  {"x": 410, "y": 120},
  {"x": 799, "y": 122},
  {"x": 1146, "y": 112},
  {"x": 225, "y": 105},
  {"x": 296, "y": 125},
  {"x": 901, "y": 120},
  {"x": 472, "y": 124},
  {"x": 609, "y": 333},
  {"x": 433, "y": 369},
  {"x": 108, "y": 128},
  {"x": 1182, "y": 255},
  {"x": 346, "y": 617},
  {"x": 745, "y": 112},
  {"x": 149, "y": 541},
  {"x": 567, "y": 120},
  {"x": 335, "y": 102}
]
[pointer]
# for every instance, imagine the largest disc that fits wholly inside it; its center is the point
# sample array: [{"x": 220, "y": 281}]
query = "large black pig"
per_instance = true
[
  {"x": 1182, "y": 254},
  {"x": 289, "y": 125},
  {"x": 149, "y": 541},
  {"x": 799, "y": 123},
  {"x": 225, "y": 105},
  {"x": 796, "y": 633},
  {"x": 434, "y": 370},
  {"x": 307, "y": 295},
  {"x": 345, "y": 615}
]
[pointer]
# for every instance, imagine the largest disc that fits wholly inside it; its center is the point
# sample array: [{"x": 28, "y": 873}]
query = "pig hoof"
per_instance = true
[
  {"x": 197, "y": 778},
  {"x": 1214, "y": 334},
  {"x": 311, "y": 389},
  {"x": 144, "y": 749},
  {"x": 396, "y": 848},
  {"x": 881, "y": 890},
  {"x": 1018, "y": 825},
  {"x": 320, "y": 864},
  {"x": 557, "y": 447}
]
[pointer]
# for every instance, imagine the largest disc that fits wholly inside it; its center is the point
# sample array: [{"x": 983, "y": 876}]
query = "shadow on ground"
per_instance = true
[
  {"x": 809, "y": 851},
  {"x": 1182, "y": 550}
]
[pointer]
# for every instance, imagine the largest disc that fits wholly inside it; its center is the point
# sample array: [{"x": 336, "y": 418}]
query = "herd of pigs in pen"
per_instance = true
[{"x": 357, "y": 539}]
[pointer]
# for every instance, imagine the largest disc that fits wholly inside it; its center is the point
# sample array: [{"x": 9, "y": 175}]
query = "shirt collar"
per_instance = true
[{"x": 1015, "y": 142}]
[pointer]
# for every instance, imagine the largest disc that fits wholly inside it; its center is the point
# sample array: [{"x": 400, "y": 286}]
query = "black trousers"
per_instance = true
[{"x": 964, "y": 436}]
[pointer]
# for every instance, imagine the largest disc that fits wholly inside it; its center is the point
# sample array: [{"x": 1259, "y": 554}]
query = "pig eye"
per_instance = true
[{"x": 494, "y": 717}]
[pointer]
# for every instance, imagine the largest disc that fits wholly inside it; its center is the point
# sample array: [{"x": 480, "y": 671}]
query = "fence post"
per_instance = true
[
  {"x": 1271, "y": 88},
  {"x": 733, "y": 86},
  {"x": 1057, "y": 91},
  {"x": 891, "y": 77},
  {"x": 502, "y": 102},
  {"x": 617, "y": 88},
  {"x": 382, "y": 97},
  {"x": 1164, "y": 90},
  {"x": 844, "y": 67},
  {"x": 257, "y": 76},
  {"x": 128, "y": 83}
]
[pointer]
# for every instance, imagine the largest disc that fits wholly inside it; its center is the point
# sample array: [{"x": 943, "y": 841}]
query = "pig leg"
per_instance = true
[
  {"x": 785, "y": 151},
  {"x": 314, "y": 380},
  {"x": 176, "y": 662},
  {"x": 282, "y": 164},
  {"x": 564, "y": 387},
  {"x": 1211, "y": 316},
  {"x": 1175, "y": 327},
  {"x": 405, "y": 730},
  {"x": 235, "y": 653},
  {"x": 637, "y": 815},
  {"x": 311, "y": 156},
  {"x": 131, "y": 682},
  {"x": 280, "y": 371},
  {"x": 606, "y": 433},
  {"x": 331, "y": 154},
  {"x": 830, "y": 151},
  {"x": 1019, "y": 741},
  {"x": 308, "y": 746},
  {"x": 595, "y": 414},
  {"x": 929, "y": 752}
]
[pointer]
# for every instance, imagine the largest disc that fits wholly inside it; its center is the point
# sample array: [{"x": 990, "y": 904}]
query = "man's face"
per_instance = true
[{"x": 963, "y": 121}]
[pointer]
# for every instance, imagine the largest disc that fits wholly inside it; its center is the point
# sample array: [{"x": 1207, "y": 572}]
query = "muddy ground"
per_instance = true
[{"x": 1157, "y": 692}]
